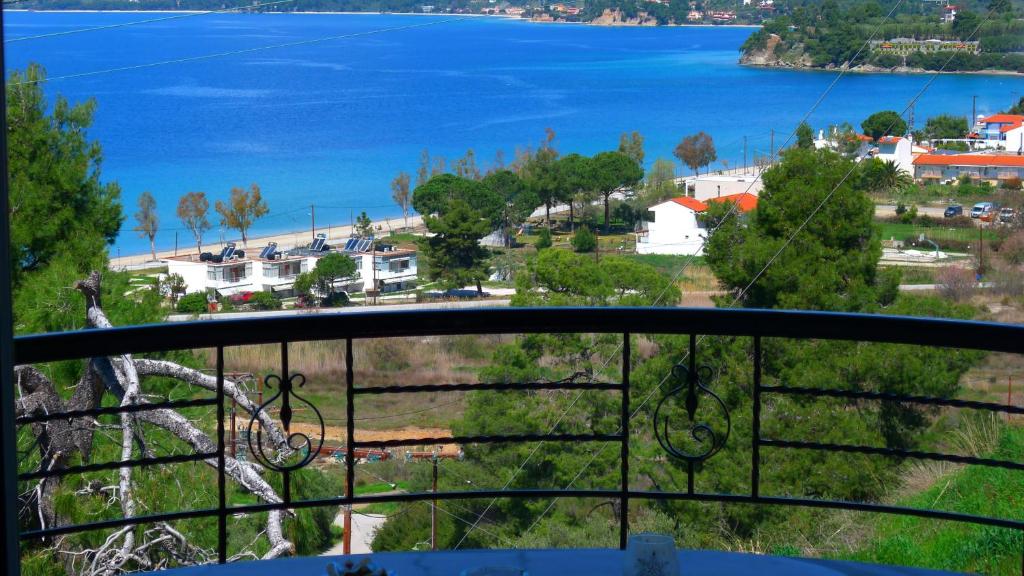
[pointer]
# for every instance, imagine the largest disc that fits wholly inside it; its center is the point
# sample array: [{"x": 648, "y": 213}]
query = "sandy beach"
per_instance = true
[{"x": 284, "y": 241}]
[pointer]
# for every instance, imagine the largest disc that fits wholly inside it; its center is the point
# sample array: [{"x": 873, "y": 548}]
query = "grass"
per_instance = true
[
  {"x": 380, "y": 487},
  {"x": 955, "y": 546},
  {"x": 917, "y": 275},
  {"x": 937, "y": 234}
]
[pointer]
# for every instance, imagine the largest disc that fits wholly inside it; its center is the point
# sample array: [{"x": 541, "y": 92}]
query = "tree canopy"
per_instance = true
[
  {"x": 696, "y": 151},
  {"x": 454, "y": 252},
  {"x": 243, "y": 208},
  {"x": 147, "y": 222},
  {"x": 60, "y": 209},
  {"x": 885, "y": 123},
  {"x": 612, "y": 171},
  {"x": 192, "y": 210},
  {"x": 830, "y": 264}
]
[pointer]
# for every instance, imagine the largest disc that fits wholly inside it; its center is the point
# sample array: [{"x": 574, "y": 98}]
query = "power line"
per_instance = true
[
  {"x": 765, "y": 268},
  {"x": 235, "y": 52},
  {"x": 138, "y": 22}
]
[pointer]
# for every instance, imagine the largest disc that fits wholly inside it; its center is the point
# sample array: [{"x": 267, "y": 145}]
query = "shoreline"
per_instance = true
[
  {"x": 891, "y": 71},
  {"x": 285, "y": 239},
  {"x": 242, "y": 10}
]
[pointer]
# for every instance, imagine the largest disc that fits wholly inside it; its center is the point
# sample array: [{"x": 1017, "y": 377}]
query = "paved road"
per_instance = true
[
  {"x": 341, "y": 311},
  {"x": 890, "y": 210}
]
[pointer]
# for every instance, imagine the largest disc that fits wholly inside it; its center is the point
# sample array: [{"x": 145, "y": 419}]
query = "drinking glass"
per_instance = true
[{"x": 651, "y": 555}]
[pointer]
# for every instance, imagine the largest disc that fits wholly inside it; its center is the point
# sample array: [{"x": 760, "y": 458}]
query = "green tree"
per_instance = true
[
  {"x": 518, "y": 201},
  {"x": 614, "y": 171},
  {"x": 543, "y": 239},
  {"x": 584, "y": 240},
  {"x": 543, "y": 177},
  {"x": 329, "y": 270},
  {"x": 60, "y": 209},
  {"x": 147, "y": 221},
  {"x": 363, "y": 227},
  {"x": 661, "y": 181},
  {"x": 192, "y": 209},
  {"x": 436, "y": 196},
  {"x": 1017, "y": 108},
  {"x": 884, "y": 176},
  {"x": 400, "y": 195},
  {"x": 577, "y": 177},
  {"x": 966, "y": 25},
  {"x": 454, "y": 253},
  {"x": 944, "y": 126},
  {"x": 696, "y": 151},
  {"x": 830, "y": 264},
  {"x": 804, "y": 136},
  {"x": 193, "y": 303},
  {"x": 632, "y": 145},
  {"x": 242, "y": 210},
  {"x": 885, "y": 123}
]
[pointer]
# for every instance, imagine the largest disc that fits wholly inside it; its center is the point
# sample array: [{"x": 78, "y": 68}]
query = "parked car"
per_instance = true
[
  {"x": 981, "y": 208},
  {"x": 1007, "y": 215},
  {"x": 953, "y": 211},
  {"x": 240, "y": 297}
]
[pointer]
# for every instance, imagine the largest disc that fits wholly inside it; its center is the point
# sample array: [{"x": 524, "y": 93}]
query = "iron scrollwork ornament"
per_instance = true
[
  {"x": 297, "y": 442},
  {"x": 693, "y": 384}
]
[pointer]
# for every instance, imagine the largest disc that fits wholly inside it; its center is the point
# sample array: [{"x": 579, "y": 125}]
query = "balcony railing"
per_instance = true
[{"x": 692, "y": 389}]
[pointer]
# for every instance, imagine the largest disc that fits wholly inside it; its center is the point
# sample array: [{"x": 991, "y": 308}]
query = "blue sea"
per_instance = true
[{"x": 331, "y": 122}]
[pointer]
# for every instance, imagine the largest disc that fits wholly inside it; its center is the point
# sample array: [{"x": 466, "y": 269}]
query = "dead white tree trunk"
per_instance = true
[{"x": 120, "y": 375}]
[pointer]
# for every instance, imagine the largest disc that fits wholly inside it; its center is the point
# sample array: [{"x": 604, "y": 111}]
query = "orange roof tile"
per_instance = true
[
  {"x": 890, "y": 139},
  {"x": 691, "y": 203},
  {"x": 1001, "y": 118},
  {"x": 969, "y": 160},
  {"x": 745, "y": 201}
]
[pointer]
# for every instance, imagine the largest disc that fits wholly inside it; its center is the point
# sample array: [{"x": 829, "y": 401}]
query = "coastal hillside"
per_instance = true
[{"x": 865, "y": 37}]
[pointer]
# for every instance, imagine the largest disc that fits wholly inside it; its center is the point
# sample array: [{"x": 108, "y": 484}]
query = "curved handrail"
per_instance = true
[{"x": 967, "y": 334}]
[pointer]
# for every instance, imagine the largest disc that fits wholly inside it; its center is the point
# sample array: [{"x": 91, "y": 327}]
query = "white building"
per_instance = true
[
  {"x": 999, "y": 131},
  {"x": 992, "y": 168},
  {"x": 234, "y": 271},
  {"x": 677, "y": 228},
  {"x": 892, "y": 148},
  {"x": 710, "y": 186}
]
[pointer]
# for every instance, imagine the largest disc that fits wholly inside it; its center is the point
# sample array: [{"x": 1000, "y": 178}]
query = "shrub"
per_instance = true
[
  {"x": 543, "y": 239},
  {"x": 1011, "y": 251},
  {"x": 264, "y": 301},
  {"x": 1011, "y": 184},
  {"x": 194, "y": 303},
  {"x": 1007, "y": 280},
  {"x": 956, "y": 283},
  {"x": 584, "y": 240}
]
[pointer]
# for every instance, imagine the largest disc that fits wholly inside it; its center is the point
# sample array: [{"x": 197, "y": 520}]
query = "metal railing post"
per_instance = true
[
  {"x": 222, "y": 512},
  {"x": 624, "y": 455},
  {"x": 350, "y": 438},
  {"x": 9, "y": 549},
  {"x": 755, "y": 441}
]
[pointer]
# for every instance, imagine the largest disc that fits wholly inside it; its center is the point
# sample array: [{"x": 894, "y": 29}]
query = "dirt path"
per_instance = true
[{"x": 337, "y": 435}]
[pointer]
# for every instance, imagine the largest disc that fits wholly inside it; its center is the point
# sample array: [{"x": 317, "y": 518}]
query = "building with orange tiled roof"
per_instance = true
[
  {"x": 676, "y": 226},
  {"x": 1000, "y": 131},
  {"x": 992, "y": 168}
]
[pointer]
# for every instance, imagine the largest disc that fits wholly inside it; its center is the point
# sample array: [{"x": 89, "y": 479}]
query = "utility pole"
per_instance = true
[
  {"x": 771, "y": 157},
  {"x": 974, "y": 110},
  {"x": 981, "y": 251},
  {"x": 433, "y": 507},
  {"x": 312, "y": 218},
  {"x": 744, "y": 154},
  {"x": 175, "y": 242},
  {"x": 910, "y": 119}
]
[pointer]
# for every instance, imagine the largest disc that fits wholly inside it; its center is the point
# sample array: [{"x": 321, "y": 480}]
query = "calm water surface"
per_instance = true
[{"x": 330, "y": 123}]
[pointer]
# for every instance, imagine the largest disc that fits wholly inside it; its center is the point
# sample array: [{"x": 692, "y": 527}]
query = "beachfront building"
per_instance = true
[
  {"x": 996, "y": 168},
  {"x": 999, "y": 131},
  {"x": 711, "y": 186},
  {"x": 677, "y": 227},
  {"x": 233, "y": 271}
]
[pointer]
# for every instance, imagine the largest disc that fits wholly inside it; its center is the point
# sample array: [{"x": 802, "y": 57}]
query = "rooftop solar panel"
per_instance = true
[
  {"x": 364, "y": 244},
  {"x": 228, "y": 251},
  {"x": 318, "y": 243},
  {"x": 268, "y": 252},
  {"x": 351, "y": 244}
]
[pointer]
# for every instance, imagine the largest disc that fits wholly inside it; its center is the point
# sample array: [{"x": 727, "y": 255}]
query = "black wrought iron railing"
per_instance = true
[{"x": 692, "y": 387}]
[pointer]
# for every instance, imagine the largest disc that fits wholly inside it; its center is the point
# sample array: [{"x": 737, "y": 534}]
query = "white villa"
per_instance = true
[
  {"x": 999, "y": 131},
  {"x": 235, "y": 271},
  {"x": 892, "y": 149},
  {"x": 676, "y": 227}
]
